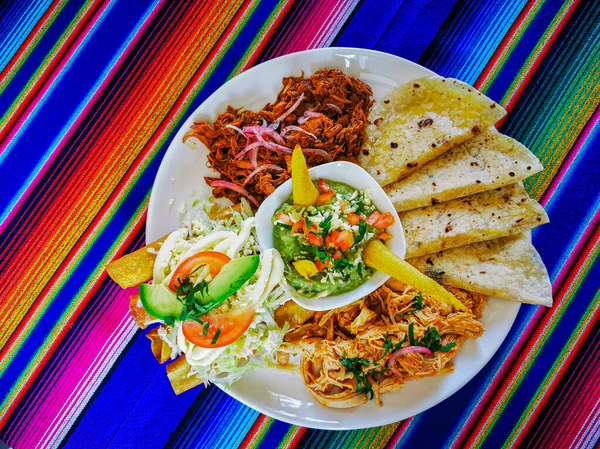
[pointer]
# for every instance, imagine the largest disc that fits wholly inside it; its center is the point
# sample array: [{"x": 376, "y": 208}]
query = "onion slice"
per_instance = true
[
  {"x": 253, "y": 157},
  {"x": 335, "y": 107},
  {"x": 259, "y": 130},
  {"x": 235, "y": 128},
  {"x": 318, "y": 152},
  {"x": 403, "y": 351},
  {"x": 232, "y": 186},
  {"x": 281, "y": 118},
  {"x": 247, "y": 148},
  {"x": 285, "y": 130},
  {"x": 261, "y": 168}
]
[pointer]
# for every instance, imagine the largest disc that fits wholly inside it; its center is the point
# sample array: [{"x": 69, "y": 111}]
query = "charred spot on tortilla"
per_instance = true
[
  {"x": 393, "y": 145},
  {"x": 425, "y": 122}
]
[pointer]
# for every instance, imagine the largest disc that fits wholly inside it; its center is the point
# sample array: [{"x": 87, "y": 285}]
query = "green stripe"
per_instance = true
[
  {"x": 537, "y": 348},
  {"x": 551, "y": 375}
]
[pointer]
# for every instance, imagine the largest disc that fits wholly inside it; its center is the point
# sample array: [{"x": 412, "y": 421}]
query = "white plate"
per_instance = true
[{"x": 281, "y": 393}]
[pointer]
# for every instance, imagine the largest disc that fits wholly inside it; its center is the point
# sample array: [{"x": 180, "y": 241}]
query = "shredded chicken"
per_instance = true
[
  {"x": 346, "y": 352},
  {"x": 339, "y": 105}
]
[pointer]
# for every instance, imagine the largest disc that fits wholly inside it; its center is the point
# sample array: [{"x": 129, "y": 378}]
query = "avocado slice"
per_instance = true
[
  {"x": 159, "y": 301},
  {"x": 229, "y": 280}
]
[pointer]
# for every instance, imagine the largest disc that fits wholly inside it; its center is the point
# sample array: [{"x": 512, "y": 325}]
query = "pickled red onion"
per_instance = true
[
  {"x": 230, "y": 126},
  {"x": 335, "y": 107},
  {"x": 261, "y": 168},
  {"x": 281, "y": 118},
  {"x": 259, "y": 130},
  {"x": 407, "y": 350},
  {"x": 318, "y": 152},
  {"x": 232, "y": 186},
  {"x": 285, "y": 130},
  {"x": 247, "y": 148}
]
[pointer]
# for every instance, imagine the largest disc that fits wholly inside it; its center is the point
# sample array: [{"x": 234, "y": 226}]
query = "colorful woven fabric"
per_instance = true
[{"x": 93, "y": 91}]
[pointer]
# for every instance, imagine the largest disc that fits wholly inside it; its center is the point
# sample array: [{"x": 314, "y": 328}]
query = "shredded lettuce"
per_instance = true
[{"x": 258, "y": 346}]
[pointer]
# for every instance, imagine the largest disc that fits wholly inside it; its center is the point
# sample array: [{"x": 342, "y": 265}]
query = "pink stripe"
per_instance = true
[
  {"x": 96, "y": 344},
  {"x": 400, "y": 432},
  {"x": 567, "y": 163},
  {"x": 81, "y": 116},
  {"x": 90, "y": 381},
  {"x": 66, "y": 58}
]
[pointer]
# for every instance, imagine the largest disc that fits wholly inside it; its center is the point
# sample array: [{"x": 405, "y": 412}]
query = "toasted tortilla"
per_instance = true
[
  {"x": 475, "y": 218},
  {"x": 421, "y": 120},
  {"x": 485, "y": 162},
  {"x": 180, "y": 377},
  {"x": 509, "y": 268}
]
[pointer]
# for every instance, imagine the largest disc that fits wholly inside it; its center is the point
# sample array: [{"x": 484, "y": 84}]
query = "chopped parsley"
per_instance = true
[
  {"x": 216, "y": 337},
  {"x": 353, "y": 366},
  {"x": 431, "y": 339},
  {"x": 362, "y": 231},
  {"x": 325, "y": 225}
]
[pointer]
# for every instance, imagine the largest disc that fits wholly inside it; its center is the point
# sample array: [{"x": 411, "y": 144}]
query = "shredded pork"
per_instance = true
[
  {"x": 345, "y": 352},
  {"x": 337, "y": 106}
]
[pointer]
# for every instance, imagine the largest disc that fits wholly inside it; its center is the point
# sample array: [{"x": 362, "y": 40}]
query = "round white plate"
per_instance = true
[{"x": 281, "y": 394}]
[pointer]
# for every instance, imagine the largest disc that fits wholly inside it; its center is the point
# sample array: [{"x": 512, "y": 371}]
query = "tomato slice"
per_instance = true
[
  {"x": 354, "y": 219},
  {"x": 321, "y": 265},
  {"x": 384, "y": 235},
  {"x": 315, "y": 240},
  {"x": 372, "y": 219},
  {"x": 384, "y": 221},
  {"x": 231, "y": 325},
  {"x": 325, "y": 198},
  {"x": 213, "y": 259},
  {"x": 298, "y": 226},
  {"x": 324, "y": 186},
  {"x": 345, "y": 240},
  {"x": 284, "y": 218}
]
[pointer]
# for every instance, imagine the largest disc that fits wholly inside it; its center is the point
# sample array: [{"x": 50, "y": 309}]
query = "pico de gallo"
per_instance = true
[{"x": 322, "y": 245}]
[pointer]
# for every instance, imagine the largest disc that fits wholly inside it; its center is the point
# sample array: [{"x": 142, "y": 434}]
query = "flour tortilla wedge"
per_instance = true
[
  {"x": 421, "y": 120},
  {"x": 509, "y": 268},
  {"x": 485, "y": 162},
  {"x": 475, "y": 218}
]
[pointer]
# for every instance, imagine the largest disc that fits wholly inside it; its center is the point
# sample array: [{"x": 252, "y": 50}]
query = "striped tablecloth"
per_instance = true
[{"x": 92, "y": 92}]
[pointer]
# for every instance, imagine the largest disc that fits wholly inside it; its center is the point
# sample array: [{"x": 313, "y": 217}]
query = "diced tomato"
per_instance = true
[
  {"x": 384, "y": 221},
  {"x": 354, "y": 219},
  {"x": 384, "y": 236},
  {"x": 372, "y": 219},
  {"x": 322, "y": 265},
  {"x": 343, "y": 240},
  {"x": 338, "y": 255},
  {"x": 315, "y": 240},
  {"x": 332, "y": 237},
  {"x": 325, "y": 198},
  {"x": 323, "y": 186},
  {"x": 284, "y": 218},
  {"x": 231, "y": 324},
  {"x": 299, "y": 225},
  {"x": 213, "y": 259}
]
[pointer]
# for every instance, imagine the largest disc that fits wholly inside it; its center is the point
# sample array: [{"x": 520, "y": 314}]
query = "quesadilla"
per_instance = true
[
  {"x": 483, "y": 216},
  {"x": 485, "y": 162},
  {"x": 421, "y": 120},
  {"x": 509, "y": 268}
]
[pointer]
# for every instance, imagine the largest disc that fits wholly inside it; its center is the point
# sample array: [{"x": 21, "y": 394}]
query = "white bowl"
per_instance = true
[{"x": 354, "y": 176}]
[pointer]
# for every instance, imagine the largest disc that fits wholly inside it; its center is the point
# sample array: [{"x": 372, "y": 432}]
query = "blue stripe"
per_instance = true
[{"x": 16, "y": 26}]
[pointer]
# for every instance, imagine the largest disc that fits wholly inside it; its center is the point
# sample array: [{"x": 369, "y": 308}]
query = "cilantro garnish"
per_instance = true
[
  {"x": 285, "y": 226},
  {"x": 418, "y": 301},
  {"x": 216, "y": 337},
  {"x": 362, "y": 231},
  {"x": 325, "y": 225},
  {"x": 353, "y": 366},
  {"x": 431, "y": 340}
]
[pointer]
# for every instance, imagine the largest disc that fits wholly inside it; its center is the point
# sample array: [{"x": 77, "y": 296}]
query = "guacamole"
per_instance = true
[{"x": 322, "y": 245}]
